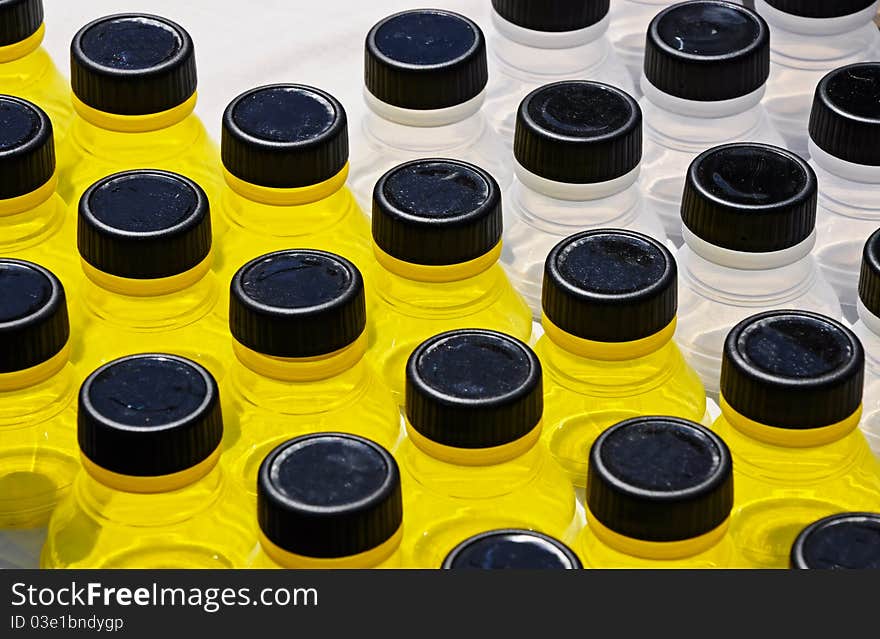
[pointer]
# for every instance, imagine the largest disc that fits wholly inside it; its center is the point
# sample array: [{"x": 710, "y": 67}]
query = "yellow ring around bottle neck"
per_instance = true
[
  {"x": 21, "y": 48},
  {"x": 437, "y": 274},
  {"x": 302, "y": 369},
  {"x": 148, "y": 287},
  {"x": 367, "y": 559},
  {"x": 155, "y": 484},
  {"x": 287, "y": 197},
  {"x": 32, "y": 200},
  {"x": 789, "y": 437},
  {"x": 475, "y": 456},
  {"x": 134, "y": 123},
  {"x": 659, "y": 550},
  {"x": 34, "y": 375},
  {"x": 609, "y": 351}
]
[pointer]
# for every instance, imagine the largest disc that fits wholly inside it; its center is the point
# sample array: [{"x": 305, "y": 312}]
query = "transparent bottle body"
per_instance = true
[
  {"x": 595, "y": 553},
  {"x": 870, "y": 423}
]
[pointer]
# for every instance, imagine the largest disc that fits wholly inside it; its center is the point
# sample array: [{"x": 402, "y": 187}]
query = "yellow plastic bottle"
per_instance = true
[
  {"x": 437, "y": 238},
  {"x": 285, "y": 161},
  {"x": 26, "y": 70},
  {"x": 38, "y": 457},
  {"x": 511, "y": 549},
  {"x": 145, "y": 246},
  {"x": 298, "y": 323},
  {"x": 134, "y": 89},
  {"x": 34, "y": 222},
  {"x": 609, "y": 306},
  {"x": 659, "y": 495},
  {"x": 329, "y": 500},
  {"x": 151, "y": 493},
  {"x": 472, "y": 459},
  {"x": 848, "y": 541},
  {"x": 791, "y": 393}
]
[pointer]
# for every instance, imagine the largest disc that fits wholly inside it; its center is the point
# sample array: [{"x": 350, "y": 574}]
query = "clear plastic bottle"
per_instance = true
[
  {"x": 706, "y": 65},
  {"x": 285, "y": 160},
  {"x": 437, "y": 239},
  {"x": 329, "y": 500},
  {"x": 426, "y": 73},
  {"x": 472, "y": 459},
  {"x": 845, "y": 152},
  {"x": 151, "y": 493},
  {"x": 511, "y": 549},
  {"x": 848, "y": 541},
  {"x": 628, "y": 24},
  {"x": 536, "y": 43},
  {"x": 748, "y": 218},
  {"x": 791, "y": 393},
  {"x": 577, "y": 153},
  {"x": 659, "y": 495},
  {"x": 867, "y": 328},
  {"x": 298, "y": 324},
  {"x": 38, "y": 454},
  {"x": 610, "y": 300},
  {"x": 145, "y": 242},
  {"x": 807, "y": 40},
  {"x": 26, "y": 70}
]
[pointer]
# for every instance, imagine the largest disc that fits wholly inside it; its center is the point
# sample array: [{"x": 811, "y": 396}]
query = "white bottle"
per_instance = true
[
  {"x": 577, "y": 151},
  {"x": 845, "y": 152},
  {"x": 868, "y": 330},
  {"x": 705, "y": 68},
  {"x": 536, "y": 43},
  {"x": 807, "y": 40},
  {"x": 425, "y": 73},
  {"x": 748, "y": 218}
]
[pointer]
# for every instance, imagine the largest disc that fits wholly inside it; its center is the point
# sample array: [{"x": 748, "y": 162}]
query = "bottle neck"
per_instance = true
[
  {"x": 151, "y": 484},
  {"x": 287, "y": 197},
  {"x": 18, "y": 50},
  {"x": 549, "y": 39},
  {"x": 815, "y": 26},
  {"x": 35, "y": 375},
  {"x": 34, "y": 201},
  {"x": 871, "y": 321},
  {"x": 474, "y": 456},
  {"x": 437, "y": 128},
  {"x": 748, "y": 261},
  {"x": 437, "y": 274},
  {"x": 134, "y": 123},
  {"x": 302, "y": 369},
  {"x": 696, "y": 109},
  {"x": 843, "y": 169},
  {"x": 371, "y": 558},
  {"x": 575, "y": 192},
  {"x": 148, "y": 287},
  {"x": 608, "y": 351}
]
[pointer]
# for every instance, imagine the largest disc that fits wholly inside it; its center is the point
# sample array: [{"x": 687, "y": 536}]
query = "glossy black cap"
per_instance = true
[
  {"x": 660, "y": 479},
  {"x": 425, "y": 59},
  {"x": 552, "y": 15},
  {"x": 329, "y": 495},
  {"x": 610, "y": 285},
  {"x": 792, "y": 369},
  {"x": 19, "y": 19},
  {"x": 869, "y": 279},
  {"x": 144, "y": 224},
  {"x": 820, "y": 8},
  {"x": 511, "y": 550},
  {"x": 707, "y": 51},
  {"x": 848, "y": 541},
  {"x": 436, "y": 212},
  {"x": 297, "y": 303},
  {"x": 845, "y": 120},
  {"x": 149, "y": 415},
  {"x": 473, "y": 388},
  {"x": 132, "y": 64},
  {"x": 34, "y": 325},
  {"x": 27, "y": 147},
  {"x": 284, "y": 136},
  {"x": 750, "y": 197}
]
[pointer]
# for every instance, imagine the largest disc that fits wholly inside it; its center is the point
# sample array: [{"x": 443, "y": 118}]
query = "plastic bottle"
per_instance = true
[
  {"x": 511, "y": 549},
  {"x": 329, "y": 500},
  {"x": 610, "y": 300},
  {"x": 26, "y": 70},
  {"x": 706, "y": 65},
  {"x": 536, "y": 43},
  {"x": 848, "y": 541},
  {"x": 425, "y": 72},
  {"x": 145, "y": 242},
  {"x": 845, "y": 152},
  {"x": 627, "y": 26},
  {"x": 437, "y": 238},
  {"x": 38, "y": 456},
  {"x": 748, "y": 218},
  {"x": 298, "y": 324},
  {"x": 577, "y": 153},
  {"x": 285, "y": 159},
  {"x": 867, "y": 328},
  {"x": 472, "y": 459},
  {"x": 659, "y": 495},
  {"x": 791, "y": 392},
  {"x": 134, "y": 89},
  {"x": 807, "y": 40},
  {"x": 151, "y": 493}
]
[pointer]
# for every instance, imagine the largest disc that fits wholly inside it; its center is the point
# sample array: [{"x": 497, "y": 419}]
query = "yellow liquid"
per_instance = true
[
  {"x": 202, "y": 525},
  {"x": 595, "y": 553},
  {"x": 259, "y": 559},
  {"x": 583, "y": 397},
  {"x": 780, "y": 490}
]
